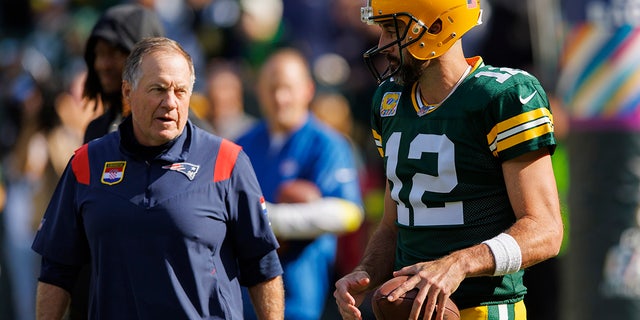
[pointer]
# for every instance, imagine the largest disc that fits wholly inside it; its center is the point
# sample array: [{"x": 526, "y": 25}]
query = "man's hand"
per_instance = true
[
  {"x": 436, "y": 280},
  {"x": 350, "y": 292}
]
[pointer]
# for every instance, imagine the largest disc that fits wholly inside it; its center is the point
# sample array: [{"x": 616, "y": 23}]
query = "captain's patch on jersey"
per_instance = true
[
  {"x": 389, "y": 104},
  {"x": 113, "y": 172},
  {"x": 188, "y": 169}
]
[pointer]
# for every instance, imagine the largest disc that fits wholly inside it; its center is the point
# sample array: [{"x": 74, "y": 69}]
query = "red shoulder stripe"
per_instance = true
[
  {"x": 226, "y": 161},
  {"x": 80, "y": 164}
]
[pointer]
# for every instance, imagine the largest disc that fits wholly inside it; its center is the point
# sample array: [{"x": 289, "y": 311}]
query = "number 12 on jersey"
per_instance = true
[{"x": 449, "y": 214}]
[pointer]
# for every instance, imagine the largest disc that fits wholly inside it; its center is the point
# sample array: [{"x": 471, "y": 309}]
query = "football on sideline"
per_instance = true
[{"x": 401, "y": 308}]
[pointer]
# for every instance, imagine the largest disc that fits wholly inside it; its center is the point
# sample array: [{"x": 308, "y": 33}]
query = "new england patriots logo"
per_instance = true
[{"x": 188, "y": 169}]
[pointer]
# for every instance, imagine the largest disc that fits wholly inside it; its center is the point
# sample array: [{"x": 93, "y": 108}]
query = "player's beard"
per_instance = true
[{"x": 410, "y": 70}]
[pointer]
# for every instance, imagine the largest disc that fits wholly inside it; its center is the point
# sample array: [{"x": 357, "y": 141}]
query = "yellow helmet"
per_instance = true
[{"x": 432, "y": 26}]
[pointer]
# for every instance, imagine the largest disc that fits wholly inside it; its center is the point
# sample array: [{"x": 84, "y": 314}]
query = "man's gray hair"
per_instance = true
[{"x": 132, "y": 71}]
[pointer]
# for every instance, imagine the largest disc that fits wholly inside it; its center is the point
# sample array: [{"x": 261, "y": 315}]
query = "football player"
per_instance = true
[{"x": 471, "y": 199}]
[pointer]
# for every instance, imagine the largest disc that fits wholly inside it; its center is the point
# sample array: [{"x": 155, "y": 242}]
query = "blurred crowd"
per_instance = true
[{"x": 43, "y": 117}]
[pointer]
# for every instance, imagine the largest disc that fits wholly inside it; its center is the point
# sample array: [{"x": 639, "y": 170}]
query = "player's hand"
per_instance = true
[
  {"x": 350, "y": 292},
  {"x": 436, "y": 280}
]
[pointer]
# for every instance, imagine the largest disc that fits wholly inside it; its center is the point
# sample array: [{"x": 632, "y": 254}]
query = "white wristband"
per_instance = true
[{"x": 506, "y": 253}]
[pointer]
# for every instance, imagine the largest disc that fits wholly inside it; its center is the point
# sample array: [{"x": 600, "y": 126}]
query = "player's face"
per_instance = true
[
  {"x": 408, "y": 68},
  {"x": 285, "y": 91},
  {"x": 160, "y": 101},
  {"x": 388, "y": 35},
  {"x": 108, "y": 64}
]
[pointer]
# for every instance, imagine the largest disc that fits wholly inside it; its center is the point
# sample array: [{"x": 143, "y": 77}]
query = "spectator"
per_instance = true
[
  {"x": 290, "y": 144},
  {"x": 225, "y": 94},
  {"x": 25, "y": 168},
  {"x": 111, "y": 39}
]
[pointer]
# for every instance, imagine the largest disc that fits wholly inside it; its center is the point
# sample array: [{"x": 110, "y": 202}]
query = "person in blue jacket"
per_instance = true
[
  {"x": 291, "y": 144},
  {"x": 171, "y": 218}
]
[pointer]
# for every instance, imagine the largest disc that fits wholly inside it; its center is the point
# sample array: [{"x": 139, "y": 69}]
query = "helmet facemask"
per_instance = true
[{"x": 402, "y": 41}]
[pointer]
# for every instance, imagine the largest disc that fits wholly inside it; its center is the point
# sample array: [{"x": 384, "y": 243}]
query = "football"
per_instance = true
[
  {"x": 297, "y": 191},
  {"x": 401, "y": 308}
]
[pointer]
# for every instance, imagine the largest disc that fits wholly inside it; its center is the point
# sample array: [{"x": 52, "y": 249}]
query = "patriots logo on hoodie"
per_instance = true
[{"x": 188, "y": 169}]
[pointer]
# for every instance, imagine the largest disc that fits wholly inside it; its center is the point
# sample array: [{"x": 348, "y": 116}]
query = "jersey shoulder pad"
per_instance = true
[
  {"x": 498, "y": 80},
  {"x": 80, "y": 164},
  {"x": 226, "y": 160}
]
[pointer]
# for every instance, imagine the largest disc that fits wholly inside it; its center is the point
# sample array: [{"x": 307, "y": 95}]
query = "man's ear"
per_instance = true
[{"x": 126, "y": 90}]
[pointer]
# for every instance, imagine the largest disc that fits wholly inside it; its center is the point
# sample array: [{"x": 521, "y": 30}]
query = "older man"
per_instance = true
[{"x": 170, "y": 217}]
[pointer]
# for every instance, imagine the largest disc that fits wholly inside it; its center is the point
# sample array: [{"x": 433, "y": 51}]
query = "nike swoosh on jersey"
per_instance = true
[{"x": 527, "y": 99}]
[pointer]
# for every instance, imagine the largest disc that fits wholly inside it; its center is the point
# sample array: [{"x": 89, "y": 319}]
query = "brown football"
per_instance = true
[
  {"x": 401, "y": 308},
  {"x": 297, "y": 191}
]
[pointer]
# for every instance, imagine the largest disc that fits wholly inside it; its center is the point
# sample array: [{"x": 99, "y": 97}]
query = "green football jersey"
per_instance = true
[{"x": 443, "y": 164}]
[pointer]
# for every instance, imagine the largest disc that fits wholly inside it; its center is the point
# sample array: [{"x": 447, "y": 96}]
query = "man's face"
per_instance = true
[
  {"x": 108, "y": 64},
  {"x": 285, "y": 91},
  {"x": 409, "y": 68},
  {"x": 224, "y": 90},
  {"x": 160, "y": 101}
]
